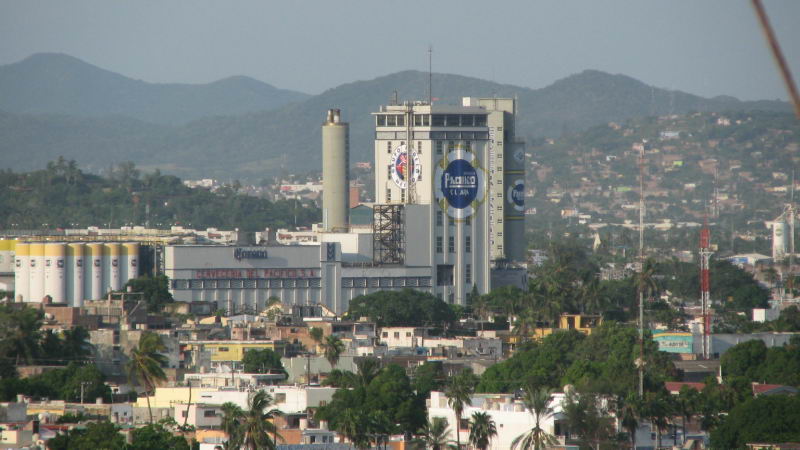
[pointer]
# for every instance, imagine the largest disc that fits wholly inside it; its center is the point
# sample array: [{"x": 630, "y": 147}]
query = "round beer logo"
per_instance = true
[
  {"x": 460, "y": 183},
  {"x": 401, "y": 164},
  {"x": 516, "y": 195}
]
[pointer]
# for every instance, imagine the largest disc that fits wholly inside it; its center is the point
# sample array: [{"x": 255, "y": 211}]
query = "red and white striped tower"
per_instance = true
[{"x": 705, "y": 288}]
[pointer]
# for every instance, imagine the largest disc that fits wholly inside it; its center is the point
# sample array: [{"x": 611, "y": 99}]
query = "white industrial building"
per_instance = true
[{"x": 449, "y": 216}]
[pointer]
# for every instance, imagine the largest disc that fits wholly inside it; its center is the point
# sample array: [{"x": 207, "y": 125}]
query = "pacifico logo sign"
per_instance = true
[
  {"x": 240, "y": 253},
  {"x": 460, "y": 184},
  {"x": 516, "y": 195}
]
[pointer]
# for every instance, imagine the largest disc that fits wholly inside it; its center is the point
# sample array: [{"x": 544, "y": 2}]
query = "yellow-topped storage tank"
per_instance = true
[
  {"x": 130, "y": 261},
  {"x": 75, "y": 274},
  {"x": 37, "y": 272},
  {"x": 22, "y": 271},
  {"x": 111, "y": 255},
  {"x": 55, "y": 283},
  {"x": 95, "y": 270}
]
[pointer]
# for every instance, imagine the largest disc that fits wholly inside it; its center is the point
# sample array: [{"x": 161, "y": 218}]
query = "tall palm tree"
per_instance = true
[
  {"x": 20, "y": 335},
  {"x": 481, "y": 430},
  {"x": 257, "y": 423},
  {"x": 657, "y": 408},
  {"x": 459, "y": 394},
  {"x": 366, "y": 370},
  {"x": 433, "y": 435},
  {"x": 232, "y": 416},
  {"x": 333, "y": 347},
  {"x": 316, "y": 335},
  {"x": 353, "y": 424},
  {"x": 686, "y": 405},
  {"x": 538, "y": 403},
  {"x": 144, "y": 367},
  {"x": 480, "y": 307},
  {"x": 628, "y": 415}
]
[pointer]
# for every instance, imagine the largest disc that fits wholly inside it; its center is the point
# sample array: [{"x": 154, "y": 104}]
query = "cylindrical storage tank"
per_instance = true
[
  {"x": 112, "y": 256},
  {"x": 514, "y": 208},
  {"x": 37, "y": 272},
  {"x": 22, "y": 271},
  {"x": 335, "y": 177},
  {"x": 55, "y": 283},
  {"x": 95, "y": 271},
  {"x": 75, "y": 277},
  {"x": 7, "y": 255},
  {"x": 130, "y": 261}
]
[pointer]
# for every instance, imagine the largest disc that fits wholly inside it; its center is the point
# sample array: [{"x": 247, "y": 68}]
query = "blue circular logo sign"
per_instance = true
[{"x": 459, "y": 183}]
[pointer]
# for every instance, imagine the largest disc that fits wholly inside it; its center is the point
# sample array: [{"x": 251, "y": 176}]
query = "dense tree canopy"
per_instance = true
[
  {"x": 770, "y": 419},
  {"x": 401, "y": 308},
  {"x": 155, "y": 290},
  {"x": 602, "y": 362},
  {"x": 62, "y": 196},
  {"x": 753, "y": 361},
  {"x": 262, "y": 361}
]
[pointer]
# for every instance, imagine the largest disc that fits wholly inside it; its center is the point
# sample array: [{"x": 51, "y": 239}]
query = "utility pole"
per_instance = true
[{"x": 641, "y": 270}]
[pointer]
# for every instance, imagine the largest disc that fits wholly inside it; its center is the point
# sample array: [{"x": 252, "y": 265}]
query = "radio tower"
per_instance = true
[
  {"x": 705, "y": 288},
  {"x": 641, "y": 270}
]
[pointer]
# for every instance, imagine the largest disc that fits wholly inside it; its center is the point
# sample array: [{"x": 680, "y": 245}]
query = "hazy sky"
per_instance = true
[{"x": 703, "y": 47}]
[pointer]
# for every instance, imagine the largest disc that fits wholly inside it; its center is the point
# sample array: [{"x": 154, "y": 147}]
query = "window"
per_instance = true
[
  {"x": 183, "y": 413},
  {"x": 408, "y": 334},
  {"x": 391, "y": 121},
  {"x": 451, "y": 145},
  {"x": 403, "y": 196},
  {"x": 417, "y": 120},
  {"x": 468, "y": 244},
  {"x": 439, "y": 218},
  {"x": 280, "y": 397},
  {"x": 419, "y": 147},
  {"x": 468, "y": 145},
  {"x": 401, "y": 121},
  {"x": 397, "y": 335},
  {"x": 439, "y": 147},
  {"x": 385, "y": 334},
  {"x": 439, "y": 244},
  {"x": 388, "y": 195},
  {"x": 480, "y": 121},
  {"x": 389, "y": 147},
  {"x": 389, "y": 171},
  {"x": 468, "y": 221},
  {"x": 451, "y": 244},
  {"x": 452, "y": 120},
  {"x": 209, "y": 413},
  {"x": 381, "y": 120},
  {"x": 222, "y": 349},
  {"x": 467, "y": 120},
  {"x": 468, "y": 274},
  {"x": 437, "y": 120}
]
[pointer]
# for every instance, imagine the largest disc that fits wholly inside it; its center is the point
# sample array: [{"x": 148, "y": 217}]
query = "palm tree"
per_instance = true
[
  {"x": 628, "y": 414},
  {"x": 20, "y": 335},
  {"x": 459, "y": 394},
  {"x": 353, "y": 423},
  {"x": 144, "y": 366},
  {"x": 76, "y": 343},
  {"x": 333, "y": 347},
  {"x": 257, "y": 423},
  {"x": 433, "y": 435},
  {"x": 232, "y": 416},
  {"x": 537, "y": 401},
  {"x": 366, "y": 370},
  {"x": 686, "y": 404},
  {"x": 657, "y": 409},
  {"x": 481, "y": 430},
  {"x": 480, "y": 306}
]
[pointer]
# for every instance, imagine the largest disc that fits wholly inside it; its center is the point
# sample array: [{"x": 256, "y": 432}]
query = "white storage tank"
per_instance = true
[
  {"x": 112, "y": 256},
  {"x": 55, "y": 283},
  {"x": 37, "y": 272},
  {"x": 130, "y": 261},
  {"x": 22, "y": 271},
  {"x": 94, "y": 273},
  {"x": 779, "y": 239},
  {"x": 75, "y": 274}
]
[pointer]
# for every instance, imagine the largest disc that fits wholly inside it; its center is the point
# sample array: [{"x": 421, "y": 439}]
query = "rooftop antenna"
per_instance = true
[{"x": 430, "y": 74}]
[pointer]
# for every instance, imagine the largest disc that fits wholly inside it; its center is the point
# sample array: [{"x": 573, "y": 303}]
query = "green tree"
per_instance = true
[
  {"x": 587, "y": 418},
  {"x": 481, "y": 430},
  {"x": 401, "y": 308},
  {"x": 20, "y": 333},
  {"x": 90, "y": 378},
  {"x": 145, "y": 365},
  {"x": 232, "y": 419},
  {"x": 155, "y": 290},
  {"x": 76, "y": 343},
  {"x": 537, "y": 401},
  {"x": 459, "y": 395},
  {"x": 156, "y": 437},
  {"x": 768, "y": 419},
  {"x": 433, "y": 435},
  {"x": 333, "y": 349},
  {"x": 97, "y": 436},
  {"x": 316, "y": 335},
  {"x": 262, "y": 361},
  {"x": 257, "y": 426}
]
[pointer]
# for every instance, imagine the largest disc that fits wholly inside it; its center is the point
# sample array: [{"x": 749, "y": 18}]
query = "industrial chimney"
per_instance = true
[{"x": 335, "y": 178}]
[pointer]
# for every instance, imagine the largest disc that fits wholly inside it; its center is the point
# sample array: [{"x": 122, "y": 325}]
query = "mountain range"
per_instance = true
[{"x": 55, "y": 105}]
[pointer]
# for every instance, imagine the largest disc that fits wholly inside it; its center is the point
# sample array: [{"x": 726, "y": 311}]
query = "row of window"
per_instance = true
[
  {"x": 279, "y": 283},
  {"x": 427, "y": 135},
  {"x": 451, "y": 244},
  {"x": 386, "y": 282},
  {"x": 440, "y": 220},
  {"x": 435, "y": 120}
]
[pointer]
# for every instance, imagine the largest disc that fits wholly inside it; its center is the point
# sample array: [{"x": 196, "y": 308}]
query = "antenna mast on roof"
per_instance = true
[{"x": 430, "y": 74}]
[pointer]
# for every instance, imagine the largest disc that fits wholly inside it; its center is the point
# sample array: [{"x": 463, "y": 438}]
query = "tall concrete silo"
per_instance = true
[
  {"x": 111, "y": 272},
  {"x": 95, "y": 272},
  {"x": 22, "y": 271},
  {"x": 37, "y": 272},
  {"x": 75, "y": 274},
  {"x": 335, "y": 177},
  {"x": 55, "y": 283}
]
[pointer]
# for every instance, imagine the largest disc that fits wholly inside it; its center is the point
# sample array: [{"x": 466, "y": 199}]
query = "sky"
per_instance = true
[{"x": 711, "y": 47}]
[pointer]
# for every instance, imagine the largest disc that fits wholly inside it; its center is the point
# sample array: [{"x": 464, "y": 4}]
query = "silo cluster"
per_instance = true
[{"x": 72, "y": 272}]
